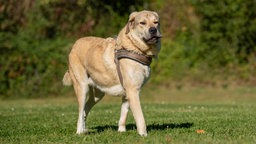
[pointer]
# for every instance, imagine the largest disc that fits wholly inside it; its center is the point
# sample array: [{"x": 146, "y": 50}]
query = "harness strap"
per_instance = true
[{"x": 123, "y": 53}]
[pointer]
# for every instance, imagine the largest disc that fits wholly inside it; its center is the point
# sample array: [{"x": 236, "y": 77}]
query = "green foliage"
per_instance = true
[
  {"x": 204, "y": 39},
  {"x": 228, "y": 29},
  {"x": 200, "y": 37},
  {"x": 30, "y": 66},
  {"x": 176, "y": 58}
]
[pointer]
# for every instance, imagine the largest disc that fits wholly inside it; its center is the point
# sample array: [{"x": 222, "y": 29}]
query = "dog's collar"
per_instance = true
[{"x": 123, "y": 53}]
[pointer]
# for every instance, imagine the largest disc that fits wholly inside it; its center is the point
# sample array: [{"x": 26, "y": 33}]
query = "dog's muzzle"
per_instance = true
[
  {"x": 153, "y": 39},
  {"x": 154, "y": 36}
]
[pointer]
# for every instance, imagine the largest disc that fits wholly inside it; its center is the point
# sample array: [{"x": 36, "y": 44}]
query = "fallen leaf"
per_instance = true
[{"x": 200, "y": 131}]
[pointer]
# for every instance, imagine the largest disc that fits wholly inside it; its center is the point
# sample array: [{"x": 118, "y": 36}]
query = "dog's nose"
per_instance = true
[{"x": 152, "y": 30}]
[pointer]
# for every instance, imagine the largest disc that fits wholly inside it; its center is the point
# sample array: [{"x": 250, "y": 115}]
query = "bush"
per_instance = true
[
  {"x": 200, "y": 36},
  {"x": 228, "y": 30},
  {"x": 207, "y": 39}
]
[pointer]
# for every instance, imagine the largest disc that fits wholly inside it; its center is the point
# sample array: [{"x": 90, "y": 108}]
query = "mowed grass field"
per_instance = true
[{"x": 195, "y": 115}]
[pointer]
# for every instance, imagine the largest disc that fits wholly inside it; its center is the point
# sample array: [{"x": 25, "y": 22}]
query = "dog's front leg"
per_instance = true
[{"x": 134, "y": 101}]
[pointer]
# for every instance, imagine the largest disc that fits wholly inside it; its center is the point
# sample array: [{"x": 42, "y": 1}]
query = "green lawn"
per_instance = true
[{"x": 172, "y": 116}]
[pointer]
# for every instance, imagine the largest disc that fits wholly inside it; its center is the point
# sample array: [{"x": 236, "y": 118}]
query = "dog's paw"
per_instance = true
[
  {"x": 121, "y": 129},
  {"x": 142, "y": 131},
  {"x": 143, "y": 134},
  {"x": 82, "y": 131}
]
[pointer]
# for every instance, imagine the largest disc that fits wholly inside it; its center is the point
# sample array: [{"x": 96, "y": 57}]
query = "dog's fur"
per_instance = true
[{"x": 92, "y": 69}]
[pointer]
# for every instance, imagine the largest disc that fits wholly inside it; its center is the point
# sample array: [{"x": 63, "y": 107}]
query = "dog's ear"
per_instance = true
[{"x": 130, "y": 23}]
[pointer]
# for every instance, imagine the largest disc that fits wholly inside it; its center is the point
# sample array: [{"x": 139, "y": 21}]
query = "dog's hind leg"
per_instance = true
[
  {"x": 80, "y": 84},
  {"x": 123, "y": 116},
  {"x": 95, "y": 95}
]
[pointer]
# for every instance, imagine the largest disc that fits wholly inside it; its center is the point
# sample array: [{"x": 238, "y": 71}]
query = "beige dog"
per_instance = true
[{"x": 120, "y": 66}]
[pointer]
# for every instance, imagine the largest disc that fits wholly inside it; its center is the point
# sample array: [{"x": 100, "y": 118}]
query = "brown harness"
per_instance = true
[{"x": 123, "y": 53}]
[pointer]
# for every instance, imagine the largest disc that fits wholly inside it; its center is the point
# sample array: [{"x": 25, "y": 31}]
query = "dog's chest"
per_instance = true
[{"x": 137, "y": 75}]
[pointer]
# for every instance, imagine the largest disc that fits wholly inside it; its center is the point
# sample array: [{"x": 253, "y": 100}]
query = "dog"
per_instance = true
[{"x": 115, "y": 66}]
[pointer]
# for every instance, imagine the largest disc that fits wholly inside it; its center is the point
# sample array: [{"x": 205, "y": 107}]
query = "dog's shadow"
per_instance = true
[{"x": 150, "y": 127}]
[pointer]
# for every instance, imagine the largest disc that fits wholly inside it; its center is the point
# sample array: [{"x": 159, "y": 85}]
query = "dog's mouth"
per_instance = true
[{"x": 153, "y": 39}]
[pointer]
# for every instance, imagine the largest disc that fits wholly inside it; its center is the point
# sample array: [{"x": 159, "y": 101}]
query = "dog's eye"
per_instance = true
[
  {"x": 155, "y": 22},
  {"x": 142, "y": 23}
]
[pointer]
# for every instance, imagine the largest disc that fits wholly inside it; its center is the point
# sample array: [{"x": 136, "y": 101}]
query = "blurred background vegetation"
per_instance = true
[{"x": 205, "y": 42}]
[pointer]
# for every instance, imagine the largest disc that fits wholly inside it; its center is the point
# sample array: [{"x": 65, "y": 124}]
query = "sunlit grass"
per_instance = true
[{"x": 53, "y": 120}]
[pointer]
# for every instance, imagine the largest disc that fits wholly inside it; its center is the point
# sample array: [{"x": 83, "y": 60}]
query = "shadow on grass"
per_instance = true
[{"x": 151, "y": 127}]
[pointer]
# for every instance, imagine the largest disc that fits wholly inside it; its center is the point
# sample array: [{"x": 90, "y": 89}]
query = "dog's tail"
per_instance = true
[{"x": 67, "y": 79}]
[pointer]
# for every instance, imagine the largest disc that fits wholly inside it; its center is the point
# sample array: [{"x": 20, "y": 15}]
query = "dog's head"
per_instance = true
[{"x": 144, "y": 25}]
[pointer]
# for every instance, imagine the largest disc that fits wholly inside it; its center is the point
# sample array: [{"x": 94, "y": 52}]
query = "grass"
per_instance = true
[{"x": 172, "y": 116}]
